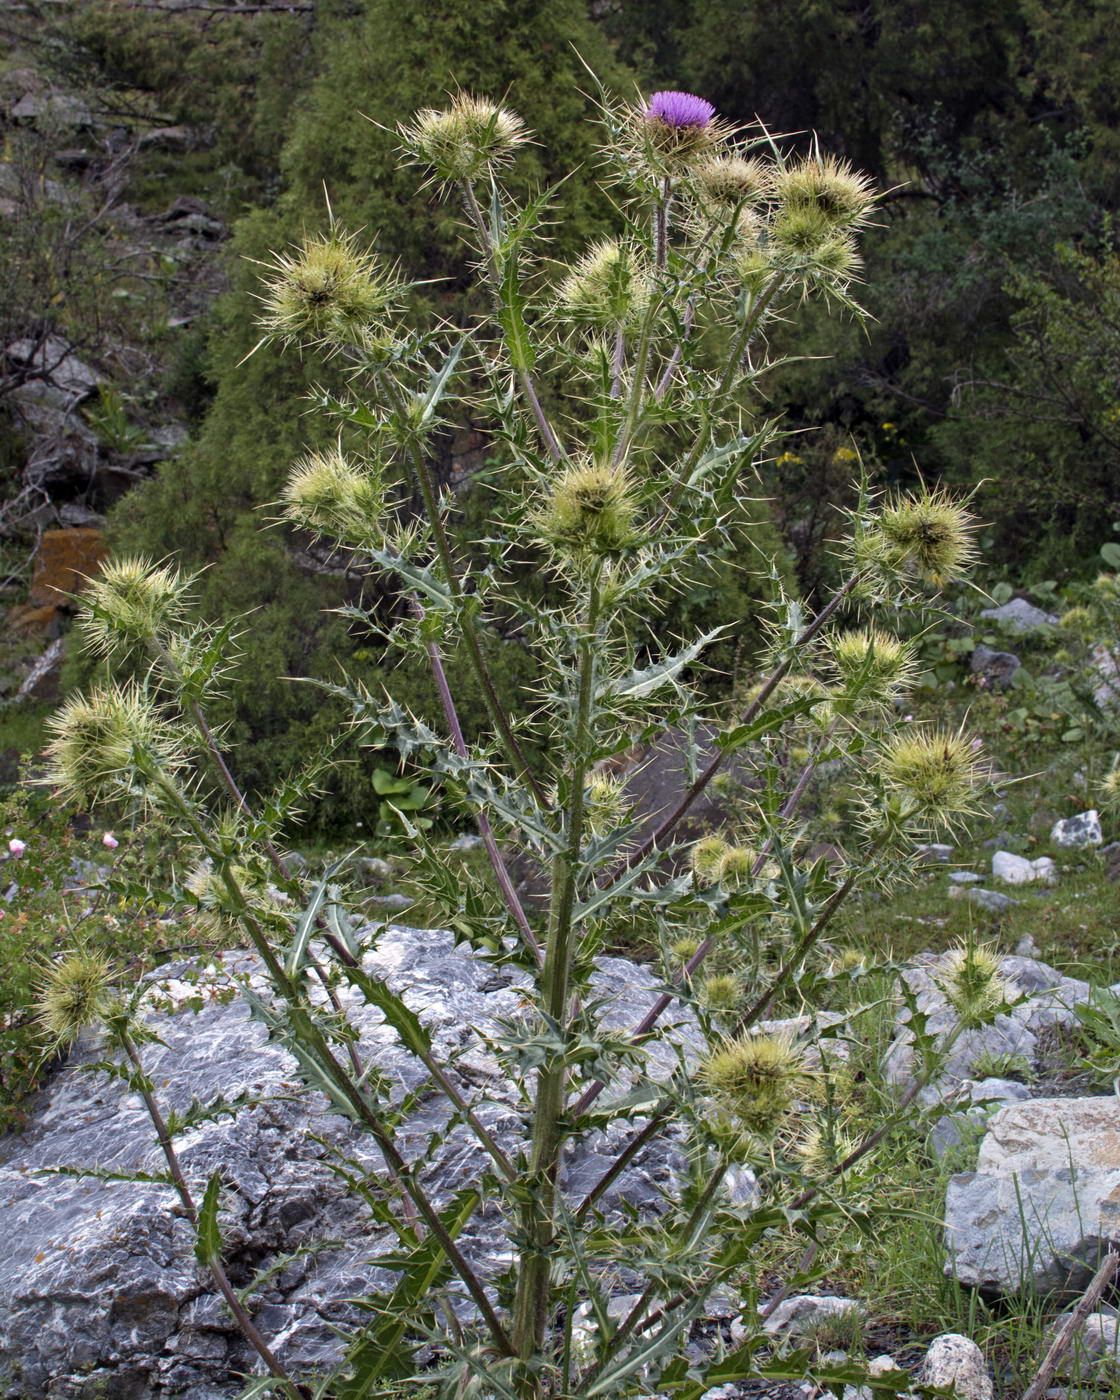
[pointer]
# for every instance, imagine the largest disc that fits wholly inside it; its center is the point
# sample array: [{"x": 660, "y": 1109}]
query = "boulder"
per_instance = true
[
  {"x": 1019, "y": 616},
  {"x": 979, "y": 1100},
  {"x": 1076, "y": 833},
  {"x": 100, "y": 1287},
  {"x": 1044, "y": 1201},
  {"x": 1017, "y": 870},
  {"x": 991, "y": 900},
  {"x": 1048, "y": 999},
  {"x": 956, "y": 1361},
  {"x": 995, "y": 669}
]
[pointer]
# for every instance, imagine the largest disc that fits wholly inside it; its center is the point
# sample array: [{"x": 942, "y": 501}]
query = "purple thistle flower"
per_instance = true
[{"x": 680, "y": 109}]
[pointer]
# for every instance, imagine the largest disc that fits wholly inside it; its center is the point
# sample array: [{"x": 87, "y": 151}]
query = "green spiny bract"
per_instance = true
[
  {"x": 872, "y": 664},
  {"x": 328, "y": 292},
  {"x": 75, "y": 993},
  {"x": 111, "y": 744},
  {"x": 472, "y": 137},
  {"x": 131, "y": 602}
]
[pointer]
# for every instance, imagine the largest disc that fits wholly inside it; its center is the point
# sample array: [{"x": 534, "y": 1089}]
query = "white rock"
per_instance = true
[
  {"x": 965, "y": 877},
  {"x": 801, "y": 1313},
  {"x": 953, "y": 1360},
  {"x": 1052, "y": 1134},
  {"x": 1017, "y": 870},
  {"x": 880, "y": 1366},
  {"x": 1045, "y": 1200},
  {"x": 1095, "y": 1346},
  {"x": 1075, "y": 833}
]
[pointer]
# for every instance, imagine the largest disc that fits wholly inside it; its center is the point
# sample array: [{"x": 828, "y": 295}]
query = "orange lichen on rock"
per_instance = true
[{"x": 66, "y": 558}]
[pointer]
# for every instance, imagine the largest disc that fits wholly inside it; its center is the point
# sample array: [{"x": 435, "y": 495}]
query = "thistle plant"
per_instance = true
[{"x": 621, "y": 395}]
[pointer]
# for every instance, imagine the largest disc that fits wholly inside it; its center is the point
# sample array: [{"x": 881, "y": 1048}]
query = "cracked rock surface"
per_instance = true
[{"x": 100, "y": 1293}]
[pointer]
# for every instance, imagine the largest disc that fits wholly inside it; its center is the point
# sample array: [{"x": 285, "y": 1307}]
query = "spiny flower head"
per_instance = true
[
  {"x": 756, "y": 1078},
  {"x": 737, "y": 866},
  {"x": 706, "y": 858},
  {"x": 590, "y": 512},
  {"x": 720, "y": 992},
  {"x": 607, "y": 287},
  {"x": 74, "y": 994},
  {"x": 827, "y": 187},
  {"x": 1076, "y": 620},
  {"x": 820, "y": 1151},
  {"x": 606, "y": 800},
  {"x": 1107, "y": 585},
  {"x": 684, "y": 949},
  {"x": 725, "y": 181},
  {"x": 1110, "y": 788},
  {"x": 328, "y": 494},
  {"x": 935, "y": 772},
  {"x": 871, "y": 661},
  {"x": 928, "y": 536},
  {"x": 669, "y": 133},
  {"x": 327, "y": 292},
  {"x": 107, "y": 744},
  {"x": 970, "y": 980},
  {"x": 470, "y": 138},
  {"x": 130, "y": 602}
]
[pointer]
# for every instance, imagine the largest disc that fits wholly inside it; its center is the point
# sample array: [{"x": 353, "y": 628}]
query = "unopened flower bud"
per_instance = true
[
  {"x": 109, "y": 841},
  {"x": 607, "y": 287},
  {"x": 729, "y": 180},
  {"x": 929, "y": 537},
  {"x": 826, "y": 187},
  {"x": 936, "y": 774},
  {"x": 756, "y": 1078},
  {"x": 872, "y": 662},
  {"x": 590, "y": 512},
  {"x": 75, "y": 993},
  {"x": 328, "y": 292},
  {"x": 970, "y": 980},
  {"x": 131, "y": 602},
  {"x": 720, "y": 992},
  {"x": 328, "y": 494},
  {"x": 468, "y": 139},
  {"x": 16, "y": 847},
  {"x": 107, "y": 745},
  {"x": 706, "y": 858}
]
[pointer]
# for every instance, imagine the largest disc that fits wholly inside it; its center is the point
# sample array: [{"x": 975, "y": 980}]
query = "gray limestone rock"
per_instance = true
[
  {"x": 1019, "y": 616},
  {"x": 1045, "y": 1198},
  {"x": 991, "y": 900},
  {"x": 995, "y": 669},
  {"x": 100, "y": 1286},
  {"x": 800, "y": 1314}
]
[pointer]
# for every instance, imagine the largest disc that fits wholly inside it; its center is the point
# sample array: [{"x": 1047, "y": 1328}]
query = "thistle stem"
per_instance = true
[
  {"x": 537, "y": 1224},
  {"x": 494, "y": 706},
  {"x": 304, "y": 1028},
  {"x": 143, "y": 1085},
  {"x": 524, "y": 377}
]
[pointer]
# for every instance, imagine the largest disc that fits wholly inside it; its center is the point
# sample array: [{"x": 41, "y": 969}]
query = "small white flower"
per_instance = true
[
  {"x": 16, "y": 847},
  {"x": 109, "y": 841}
]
